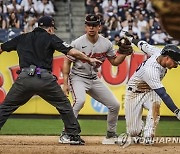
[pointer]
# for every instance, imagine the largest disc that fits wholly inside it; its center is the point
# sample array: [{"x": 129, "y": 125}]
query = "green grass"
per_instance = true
[{"x": 89, "y": 127}]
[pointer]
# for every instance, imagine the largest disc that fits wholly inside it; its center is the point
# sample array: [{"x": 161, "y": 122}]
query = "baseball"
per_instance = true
[{"x": 123, "y": 41}]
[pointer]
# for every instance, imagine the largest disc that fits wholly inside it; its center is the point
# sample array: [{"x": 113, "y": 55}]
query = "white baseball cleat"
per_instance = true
[
  {"x": 111, "y": 138},
  {"x": 64, "y": 138}
]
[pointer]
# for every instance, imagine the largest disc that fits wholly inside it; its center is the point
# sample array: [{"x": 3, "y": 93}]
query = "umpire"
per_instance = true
[{"x": 35, "y": 51}]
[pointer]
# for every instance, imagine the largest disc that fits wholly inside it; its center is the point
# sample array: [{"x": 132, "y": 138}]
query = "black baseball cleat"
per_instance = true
[{"x": 76, "y": 140}]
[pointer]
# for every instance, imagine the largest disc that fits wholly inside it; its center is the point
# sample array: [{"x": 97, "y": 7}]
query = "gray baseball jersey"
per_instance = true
[
  {"x": 140, "y": 93},
  {"x": 83, "y": 78},
  {"x": 100, "y": 50}
]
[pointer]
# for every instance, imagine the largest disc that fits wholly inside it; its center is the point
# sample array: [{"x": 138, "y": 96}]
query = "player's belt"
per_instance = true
[
  {"x": 90, "y": 78},
  {"x": 135, "y": 91}
]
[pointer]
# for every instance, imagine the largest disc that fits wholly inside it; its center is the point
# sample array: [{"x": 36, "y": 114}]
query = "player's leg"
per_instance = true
[
  {"x": 102, "y": 93},
  {"x": 153, "y": 117},
  {"x": 133, "y": 113},
  {"x": 17, "y": 96},
  {"x": 78, "y": 91},
  {"x": 52, "y": 93},
  {"x": 78, "y": 87}
]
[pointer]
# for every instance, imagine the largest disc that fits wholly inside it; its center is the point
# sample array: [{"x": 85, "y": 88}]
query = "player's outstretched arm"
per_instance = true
[
  {"x": 168, "y": 101},
  {"x": 142, "y": 45},
  {"x": 66, "y": 71},
  {"x": 125, "y": 49},
  {"x": 117, "y": 60}
]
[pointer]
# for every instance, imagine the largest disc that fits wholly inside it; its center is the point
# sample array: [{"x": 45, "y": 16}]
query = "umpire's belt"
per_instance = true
[
  {"x": 26, "y": 69},
  {"x": 135, "y": 91}
]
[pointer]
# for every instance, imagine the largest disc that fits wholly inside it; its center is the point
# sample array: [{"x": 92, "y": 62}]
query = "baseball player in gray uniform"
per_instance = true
[
  {"x": 83, "y": 77},
  {"x": 145, "y": 90}
]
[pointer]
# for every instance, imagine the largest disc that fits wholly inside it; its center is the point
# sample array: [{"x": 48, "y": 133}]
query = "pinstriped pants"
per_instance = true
[{"x": 134, "y": 105}]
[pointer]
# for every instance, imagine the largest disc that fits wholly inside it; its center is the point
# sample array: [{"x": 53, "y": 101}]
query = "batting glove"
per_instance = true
[{"x": 177, "y": 113}]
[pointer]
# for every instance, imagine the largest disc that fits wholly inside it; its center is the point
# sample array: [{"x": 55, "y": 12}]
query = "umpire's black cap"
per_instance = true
[
  {"x": 92, "y": 19},
  {"x": 46, "y": 21}
]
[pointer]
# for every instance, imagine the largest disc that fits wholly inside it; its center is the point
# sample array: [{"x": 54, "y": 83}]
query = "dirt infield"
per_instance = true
[{"x": 50, "y": 145}]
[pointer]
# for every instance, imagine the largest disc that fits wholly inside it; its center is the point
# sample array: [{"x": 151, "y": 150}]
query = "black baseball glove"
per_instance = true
[{"x": 125, "y": 46}]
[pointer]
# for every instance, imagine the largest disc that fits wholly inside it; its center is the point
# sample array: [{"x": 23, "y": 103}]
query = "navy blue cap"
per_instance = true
[
  {"x": 46, "y": 21},
  {"x": 92, "y": 19}
]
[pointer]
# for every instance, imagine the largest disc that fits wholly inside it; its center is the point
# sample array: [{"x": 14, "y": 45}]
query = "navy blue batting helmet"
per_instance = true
[{"x": 172, "y": 51}]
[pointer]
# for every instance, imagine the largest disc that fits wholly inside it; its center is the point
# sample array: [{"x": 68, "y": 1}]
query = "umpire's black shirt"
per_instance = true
[{"x": 36, "y": 48}]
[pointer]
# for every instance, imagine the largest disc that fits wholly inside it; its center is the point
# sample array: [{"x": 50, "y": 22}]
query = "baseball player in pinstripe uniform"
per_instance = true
[
  {"x": 145, "y": 90},
  {"x": 83, "y": 77}
]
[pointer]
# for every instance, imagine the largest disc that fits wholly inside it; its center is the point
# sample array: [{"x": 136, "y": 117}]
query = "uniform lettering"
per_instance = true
[{"x": 66, "y": 44}]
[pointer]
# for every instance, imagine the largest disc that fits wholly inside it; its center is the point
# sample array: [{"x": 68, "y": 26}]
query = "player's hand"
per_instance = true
[
  {"x": 177, "y": 113},
  {"x": 66, "y": 89},
  {"x": 94, "y": 62}
]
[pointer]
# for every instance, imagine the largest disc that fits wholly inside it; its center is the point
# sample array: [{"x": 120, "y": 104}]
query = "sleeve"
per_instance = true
[
  {"x": 152, "y": 78},
  {"x": 166, "y": 98},
  {"x": 71, "y": 58},
  {"x": 147, "y": 48},
  {"x": 110, "y": 52},
  {"x": 60, "y": 45},
  {"x": 11, "y": 45}
]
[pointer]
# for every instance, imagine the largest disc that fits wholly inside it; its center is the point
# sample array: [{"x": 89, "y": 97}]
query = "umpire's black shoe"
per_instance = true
[{"x": 76, "y": 140}]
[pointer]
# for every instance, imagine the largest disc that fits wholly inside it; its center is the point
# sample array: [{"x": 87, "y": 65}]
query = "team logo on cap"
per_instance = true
[{"x": 92, "y": 17}]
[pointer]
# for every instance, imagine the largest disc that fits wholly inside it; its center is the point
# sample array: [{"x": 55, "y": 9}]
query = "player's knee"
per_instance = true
[
  {"x": 134, "y": 133},
  {"x": 115, "y": 107},
  {"x": 79, "y": 102},
  {"x": 78, "y": 106}
]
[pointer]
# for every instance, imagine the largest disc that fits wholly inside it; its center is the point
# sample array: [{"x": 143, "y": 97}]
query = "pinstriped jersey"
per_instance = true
[
  {"x": 102, "y": 49},
  {"x": 150, "y": 73}
]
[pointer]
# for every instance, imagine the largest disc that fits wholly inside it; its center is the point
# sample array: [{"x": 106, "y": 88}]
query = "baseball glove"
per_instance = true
[{"x": 125, "y": 46}]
